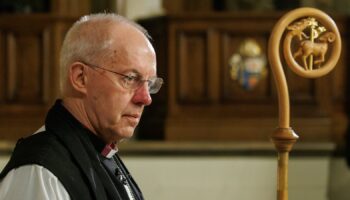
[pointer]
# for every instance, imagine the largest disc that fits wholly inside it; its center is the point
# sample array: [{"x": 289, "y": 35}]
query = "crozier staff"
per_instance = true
[{"x": 108, "y": 71}]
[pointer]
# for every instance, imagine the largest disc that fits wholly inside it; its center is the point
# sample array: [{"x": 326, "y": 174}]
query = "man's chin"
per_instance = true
[{"x": 126, "y": 133}]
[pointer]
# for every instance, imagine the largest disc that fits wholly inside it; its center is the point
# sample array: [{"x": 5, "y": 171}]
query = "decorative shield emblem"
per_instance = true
[{"x": 248, "y": 65}]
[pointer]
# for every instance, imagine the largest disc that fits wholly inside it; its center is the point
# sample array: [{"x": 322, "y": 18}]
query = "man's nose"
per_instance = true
[{"x": 142, "y": 95}]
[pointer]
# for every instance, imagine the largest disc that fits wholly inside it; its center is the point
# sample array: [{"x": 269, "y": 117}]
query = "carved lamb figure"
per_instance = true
[{"x": 317, "y": 49}]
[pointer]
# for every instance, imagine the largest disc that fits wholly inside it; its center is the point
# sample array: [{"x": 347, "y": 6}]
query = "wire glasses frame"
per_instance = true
[{"x": 133, "y": 82}]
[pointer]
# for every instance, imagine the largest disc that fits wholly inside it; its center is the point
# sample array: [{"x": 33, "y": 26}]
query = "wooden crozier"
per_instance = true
[{"x": 311, "y": 48}]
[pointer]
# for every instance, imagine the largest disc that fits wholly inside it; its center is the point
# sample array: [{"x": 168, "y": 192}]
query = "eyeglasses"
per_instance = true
[{"x": 134, "y": 81}]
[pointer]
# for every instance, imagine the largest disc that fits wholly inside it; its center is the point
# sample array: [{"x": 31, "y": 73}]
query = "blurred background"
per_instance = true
[{"x": 207, "y": 133}]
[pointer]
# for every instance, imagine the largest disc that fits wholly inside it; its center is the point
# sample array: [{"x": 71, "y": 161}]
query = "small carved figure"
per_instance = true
[
  {"x": 318, "y": 49},
  {"x": 297, "y": 28}
]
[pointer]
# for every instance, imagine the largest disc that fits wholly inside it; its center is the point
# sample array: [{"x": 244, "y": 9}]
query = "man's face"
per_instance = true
[{"x": 113, "y": 110}]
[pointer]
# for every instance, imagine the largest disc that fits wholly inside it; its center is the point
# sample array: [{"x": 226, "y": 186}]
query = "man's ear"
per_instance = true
[{"x": 77, "y": 77}]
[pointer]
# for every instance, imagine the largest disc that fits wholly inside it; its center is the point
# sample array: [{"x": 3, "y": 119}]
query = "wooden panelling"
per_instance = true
[
  {"x": 25, "y": 56},
  {"x": 303, "y": 89},
  {"x": 178, "y": 6},
  {"x": 2, "y": 68},
  {"x": 29, "y": 71},
  {"x": 192, "y": 68},
  {"x": 29, "y": 59},
  {"x": 70, "y": 8}
]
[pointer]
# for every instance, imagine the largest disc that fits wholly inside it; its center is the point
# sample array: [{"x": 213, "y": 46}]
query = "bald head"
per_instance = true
[{"x": 93, "y": 38}]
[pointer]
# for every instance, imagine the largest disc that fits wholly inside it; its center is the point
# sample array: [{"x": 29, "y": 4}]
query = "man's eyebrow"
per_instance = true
[
  {"x": 137, "y": 73},
  {"x": 132, "y": 70}
]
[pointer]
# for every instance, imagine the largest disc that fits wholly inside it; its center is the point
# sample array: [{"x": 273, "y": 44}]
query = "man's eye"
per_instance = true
[{"x": 130, "y": 78}]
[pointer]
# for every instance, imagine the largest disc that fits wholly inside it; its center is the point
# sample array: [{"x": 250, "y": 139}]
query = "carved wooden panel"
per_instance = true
[
  {"x": 29, "y": 75},
  {"x": 26, "y": 69},
  {"x": 192, "y": 67}
]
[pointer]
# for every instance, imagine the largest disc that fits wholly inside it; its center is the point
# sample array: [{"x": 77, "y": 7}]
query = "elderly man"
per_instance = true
[{"x": 108, "y": 73}]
